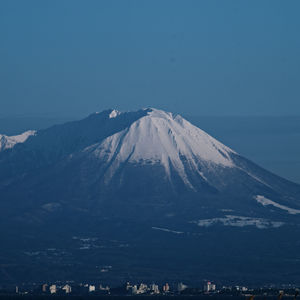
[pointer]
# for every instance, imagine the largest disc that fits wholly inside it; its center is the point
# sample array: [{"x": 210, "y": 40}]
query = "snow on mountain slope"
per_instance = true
[
  {"x": 162, "y": 138},
  {"x": 239, "y": 221},
  {"x": 8, "y": 142},
  {"x": 266, "y": 202},
  {"x": 114, "y": 114}
]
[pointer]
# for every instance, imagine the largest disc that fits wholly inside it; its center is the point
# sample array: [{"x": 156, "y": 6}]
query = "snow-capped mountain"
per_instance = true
[
  {"x": 149, "y": 154},
  {"x": 154, "y": 183},
  {"x": 166, "y": 151},
  {"x": 163, "y": 139},
  {"x": 8, "y": 142}
]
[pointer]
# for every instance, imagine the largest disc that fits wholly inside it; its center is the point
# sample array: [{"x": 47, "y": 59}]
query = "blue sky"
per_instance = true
[{"x": 192, "y": 57}]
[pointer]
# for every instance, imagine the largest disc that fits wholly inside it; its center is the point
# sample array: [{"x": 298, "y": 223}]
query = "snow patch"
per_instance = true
[
  {"x": 114, "y": 114},
  {"x": 256, "y": 178},
  {"x": 8, "y": 142},
  {"x": 239, "y": 221},
  {"x": 167, "y": 230},
  {"x": 51, "y": 207},
  {"x": 265, "y": 202}
]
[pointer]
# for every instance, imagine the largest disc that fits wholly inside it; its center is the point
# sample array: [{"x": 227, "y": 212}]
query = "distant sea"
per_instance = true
[{"x": 271, "y": 142}]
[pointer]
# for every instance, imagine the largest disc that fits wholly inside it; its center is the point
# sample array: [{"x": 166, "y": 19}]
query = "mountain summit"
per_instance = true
[
  {"x": 163, "y": 139},
  {"x": 148, "y": 194}
]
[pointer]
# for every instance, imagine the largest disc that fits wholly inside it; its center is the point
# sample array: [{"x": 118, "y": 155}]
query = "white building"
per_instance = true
[
  {"x": 134, "y": 289},
  {"x": 154, "y": 288},
  {"x": 166, "y": 288},
  {"x": 209, "y": 287},
  {"x": 92, "y": 288},
  {"x": 67, "y": 288},
  {"x": 52, "y": 289},
  {"x": 142, "y": 288}
]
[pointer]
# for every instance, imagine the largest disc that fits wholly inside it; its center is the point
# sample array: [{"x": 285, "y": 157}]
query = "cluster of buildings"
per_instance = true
[
  {"x": 150, "y": 289},
  {"x": 131, "y": 289},
  {"x": 143, "y": 288},
  {"x": 67, "y": 289},
  {"x": 60, "y": 288},
  {"x": 153, "y": 289}
]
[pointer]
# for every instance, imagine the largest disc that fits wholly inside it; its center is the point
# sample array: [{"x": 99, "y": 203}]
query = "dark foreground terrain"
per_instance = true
[{"x": 46, "y": 297}]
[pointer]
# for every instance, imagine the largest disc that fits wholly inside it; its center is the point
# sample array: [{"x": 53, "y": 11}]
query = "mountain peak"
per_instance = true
[
  {"x": 158, "y": 113},
  {"x": 160, "y": 138}
]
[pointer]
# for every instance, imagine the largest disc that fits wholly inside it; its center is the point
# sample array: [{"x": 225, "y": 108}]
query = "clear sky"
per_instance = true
[{"x": 192, "y": 57}]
